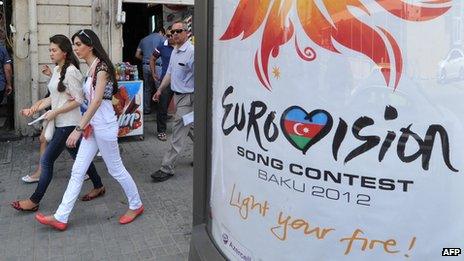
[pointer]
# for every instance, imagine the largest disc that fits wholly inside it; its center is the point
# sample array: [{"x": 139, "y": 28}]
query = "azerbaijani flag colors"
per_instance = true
[{"x": 301, "y": 129}]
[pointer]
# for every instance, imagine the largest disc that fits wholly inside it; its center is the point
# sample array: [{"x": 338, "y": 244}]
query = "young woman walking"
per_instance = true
[
  {"x": 100, "y": 129},
  {"x": 35, "y": 176},
  {"x": 66, "y": 95}
]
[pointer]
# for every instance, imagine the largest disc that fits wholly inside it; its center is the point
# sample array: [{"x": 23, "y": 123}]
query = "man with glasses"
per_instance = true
[
  {"x": 144, "y": 51},
  {"x": 162, "y": 51},
  {"x": 179, "y": 74}
]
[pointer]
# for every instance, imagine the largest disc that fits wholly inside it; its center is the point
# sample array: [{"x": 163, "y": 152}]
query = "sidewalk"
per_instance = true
[{"x": 161, "y": 233}]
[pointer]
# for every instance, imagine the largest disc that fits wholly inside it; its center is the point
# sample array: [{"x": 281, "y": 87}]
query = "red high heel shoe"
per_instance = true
[
  {"x": 53, "y": 223},
  {"x": 126, "y": 220}
]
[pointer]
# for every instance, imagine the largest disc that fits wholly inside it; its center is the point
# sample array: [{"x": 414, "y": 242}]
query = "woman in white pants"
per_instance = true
[{"x": 100, "y": 129}]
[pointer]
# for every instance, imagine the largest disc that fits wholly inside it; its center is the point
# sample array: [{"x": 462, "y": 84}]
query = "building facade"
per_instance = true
[{"x": 34, "y": 21}]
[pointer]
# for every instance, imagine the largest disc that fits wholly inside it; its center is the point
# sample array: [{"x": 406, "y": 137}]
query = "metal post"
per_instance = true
[{"x": 202, "y": 246}]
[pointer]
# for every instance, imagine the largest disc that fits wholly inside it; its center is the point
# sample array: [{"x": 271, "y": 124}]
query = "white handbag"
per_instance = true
[{"x": 49, "y": 129}]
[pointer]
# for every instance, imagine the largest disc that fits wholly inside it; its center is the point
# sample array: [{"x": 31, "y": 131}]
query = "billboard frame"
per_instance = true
[{"x": 202, "y": 245}]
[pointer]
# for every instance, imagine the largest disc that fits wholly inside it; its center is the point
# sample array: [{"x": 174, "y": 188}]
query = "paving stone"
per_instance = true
[
  {"x": 94, "y": 232},
  {"x": 145, "y": 254},
  {"x": 5, "y": 152}
]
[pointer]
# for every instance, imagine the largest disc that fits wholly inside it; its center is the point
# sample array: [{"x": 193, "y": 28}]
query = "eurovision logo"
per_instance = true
[
  {"x": 304, "y": 129},
  {"x": 327, "y": 22}
]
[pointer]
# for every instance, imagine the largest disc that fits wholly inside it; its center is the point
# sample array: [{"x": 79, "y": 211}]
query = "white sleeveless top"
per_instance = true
[{"x": 105, "y": 115}]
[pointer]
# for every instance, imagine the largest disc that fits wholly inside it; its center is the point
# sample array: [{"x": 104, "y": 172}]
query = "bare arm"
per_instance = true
[
  {"x": 8, "y": 73},
  {"x": 138, "y": 54},
  {"x": 38, "y": 106},
  {"x": 42, "y": 104},
  {"x": 165, "y": 83},
  {"x": 68, "y": 106}
]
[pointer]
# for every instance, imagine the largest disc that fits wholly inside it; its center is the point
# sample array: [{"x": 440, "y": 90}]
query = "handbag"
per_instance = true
[
  {"x": 87, "y": 131},
  {"x": 49, "y": 129}
]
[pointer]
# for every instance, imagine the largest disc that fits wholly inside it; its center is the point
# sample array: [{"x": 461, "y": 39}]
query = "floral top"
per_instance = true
[
  {"x": 105, "y": 115},
  {"x": 103, "y": 67}
]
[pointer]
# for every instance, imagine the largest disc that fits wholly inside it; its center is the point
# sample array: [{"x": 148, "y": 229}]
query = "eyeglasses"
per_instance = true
[
  {"x": 177, "y": 31},
  {"x": 88, "y": 37},
  {"x": 169, "y": 35}
]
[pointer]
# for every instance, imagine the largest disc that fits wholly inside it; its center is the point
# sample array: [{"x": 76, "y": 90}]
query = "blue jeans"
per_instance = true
[{"x": 52, "y": 152}]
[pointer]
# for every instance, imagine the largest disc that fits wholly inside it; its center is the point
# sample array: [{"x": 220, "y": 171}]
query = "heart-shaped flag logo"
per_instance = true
[{"x": 304, "y": 129}]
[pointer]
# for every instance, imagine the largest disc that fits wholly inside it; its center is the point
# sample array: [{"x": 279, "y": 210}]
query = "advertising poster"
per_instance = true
[
  {"x": 338, "y": 129},
  {"x": 129, "y": 108}
]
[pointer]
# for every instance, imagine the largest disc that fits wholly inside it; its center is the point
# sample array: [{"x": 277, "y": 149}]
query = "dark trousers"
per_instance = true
[
  {"x": 52, "y": 152},
  {"x": 148, "y": 86},
  {"x": 2, "y": 94},
  {"x": 162, "y": 109}
]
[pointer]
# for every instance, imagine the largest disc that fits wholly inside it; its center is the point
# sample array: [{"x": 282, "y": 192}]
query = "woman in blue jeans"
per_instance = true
[{"x": 66, "y": 95}]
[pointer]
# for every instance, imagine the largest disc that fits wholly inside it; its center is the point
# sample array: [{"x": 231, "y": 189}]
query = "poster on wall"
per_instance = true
[
  {"x": 128, "y": 106},
  {"x": 337, "y": 130}
]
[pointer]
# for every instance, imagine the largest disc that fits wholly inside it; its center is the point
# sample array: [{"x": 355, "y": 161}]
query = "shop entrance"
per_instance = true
[{"x": 141, "y": 20}]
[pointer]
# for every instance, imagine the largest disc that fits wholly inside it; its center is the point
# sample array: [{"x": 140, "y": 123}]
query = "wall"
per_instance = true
[
  {"x": 22, "y": 79},
  {"x": 59, "y": 17},
  {"x": 53, "y": 17},
  {"x": 104, "y": 25}
]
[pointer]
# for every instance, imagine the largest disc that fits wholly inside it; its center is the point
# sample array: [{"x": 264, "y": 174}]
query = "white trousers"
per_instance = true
[{"x": 106, "y": 141}]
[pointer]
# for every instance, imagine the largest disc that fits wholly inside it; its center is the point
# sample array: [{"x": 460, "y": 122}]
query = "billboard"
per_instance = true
[{"x": 337, "y": 130}]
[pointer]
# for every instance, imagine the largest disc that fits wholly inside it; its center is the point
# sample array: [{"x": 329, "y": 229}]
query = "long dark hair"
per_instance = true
[
  {"x": 89, "y": 38},
  {"x": 65, "y": 45}
]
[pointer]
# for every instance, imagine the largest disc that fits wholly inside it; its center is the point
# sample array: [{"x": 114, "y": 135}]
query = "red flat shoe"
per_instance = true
[
  {"x": 17, "y": 206},
  {"x": 87, "y": 197},
  {"x": 54, "y": 223},
  {"x": 126, "y": 220}
]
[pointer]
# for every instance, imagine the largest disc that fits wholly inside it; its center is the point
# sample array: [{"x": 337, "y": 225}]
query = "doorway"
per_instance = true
[{"x": 141, "y": 20}]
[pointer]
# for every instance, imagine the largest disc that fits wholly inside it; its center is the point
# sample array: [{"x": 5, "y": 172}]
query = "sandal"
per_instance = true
[
  {"x": 17, "y": 206},
  {"x": 162, "y": 136},
  {"x": 87, "y": 196},
  {"x": 29, "y": 179}
]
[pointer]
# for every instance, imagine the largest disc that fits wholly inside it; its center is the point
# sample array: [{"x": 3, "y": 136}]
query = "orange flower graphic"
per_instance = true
[{"x": 337, "y": 24}]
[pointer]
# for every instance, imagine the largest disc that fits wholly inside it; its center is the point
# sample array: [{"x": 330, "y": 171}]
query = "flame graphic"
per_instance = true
[{"x": 340, "y": 25}]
